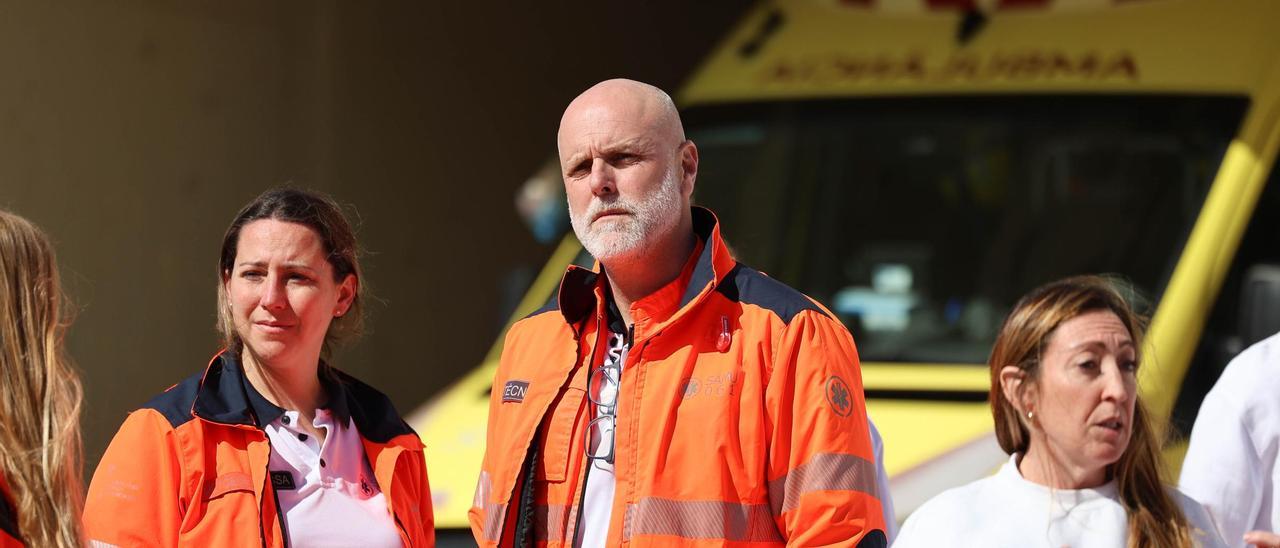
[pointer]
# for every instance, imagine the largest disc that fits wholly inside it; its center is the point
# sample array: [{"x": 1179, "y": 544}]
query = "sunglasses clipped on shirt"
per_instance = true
[{"x": 603, "y": 393}]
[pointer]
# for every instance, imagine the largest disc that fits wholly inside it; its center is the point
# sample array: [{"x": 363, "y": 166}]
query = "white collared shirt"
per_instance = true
[
  {"x": 1008, "y": 510},
  {"x": 327, "y": 493}
]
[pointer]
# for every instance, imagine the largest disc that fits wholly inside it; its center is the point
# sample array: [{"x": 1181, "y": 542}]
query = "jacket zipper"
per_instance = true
[{"x": 633, "y": 356}]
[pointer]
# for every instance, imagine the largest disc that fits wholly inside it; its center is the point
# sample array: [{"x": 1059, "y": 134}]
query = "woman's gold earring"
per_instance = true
[{"x": 1031, "y": 415}]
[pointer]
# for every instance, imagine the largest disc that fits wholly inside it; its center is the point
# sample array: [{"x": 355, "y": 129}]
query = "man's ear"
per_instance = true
[
  {"x": 1012, "y": 379},
  {"x": 688, "y": 167}
]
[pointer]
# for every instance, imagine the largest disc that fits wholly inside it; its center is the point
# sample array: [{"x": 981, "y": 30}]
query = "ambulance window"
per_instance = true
[{"x": 920, "y": 221}]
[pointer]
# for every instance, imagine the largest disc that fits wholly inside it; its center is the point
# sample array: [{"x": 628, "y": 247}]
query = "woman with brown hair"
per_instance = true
[
  {"x": 39, "y": 396},
  {"x": 1084, "y": 467},
  {"x": 270, "y": 445}
]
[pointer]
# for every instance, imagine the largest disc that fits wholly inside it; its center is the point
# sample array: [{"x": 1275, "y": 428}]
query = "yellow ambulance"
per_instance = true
[{"x": 918, "y": 165}]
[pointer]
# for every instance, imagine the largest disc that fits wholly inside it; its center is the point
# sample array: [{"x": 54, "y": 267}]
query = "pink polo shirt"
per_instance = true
[{"x": 327, "y": 492}]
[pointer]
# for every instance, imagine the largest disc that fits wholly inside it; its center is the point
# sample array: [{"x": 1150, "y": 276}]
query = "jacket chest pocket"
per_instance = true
[
  {"x": 227, "y": 498},
  {"x": 227, "y": 483},
  {"x": 561, "y": 433}
]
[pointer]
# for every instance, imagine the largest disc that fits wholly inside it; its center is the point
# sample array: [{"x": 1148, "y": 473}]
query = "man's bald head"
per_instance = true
[
  {"x": 646, "y": 107},
  {"x": 628, "y": 173}
]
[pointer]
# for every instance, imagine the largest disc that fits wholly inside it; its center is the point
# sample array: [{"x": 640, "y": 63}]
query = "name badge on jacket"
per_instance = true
[
  {"x": 514, "y": 391},
  {"x": 282, "y": 480}
]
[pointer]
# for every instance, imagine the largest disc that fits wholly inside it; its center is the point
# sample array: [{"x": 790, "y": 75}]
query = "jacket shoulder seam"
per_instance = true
[
  {"x": 749, "y": 286},
  {"x": 175, "y": 403}
]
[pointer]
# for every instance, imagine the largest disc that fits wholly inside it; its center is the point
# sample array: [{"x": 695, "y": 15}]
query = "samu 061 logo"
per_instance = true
[{"x": 839, "y": 397}]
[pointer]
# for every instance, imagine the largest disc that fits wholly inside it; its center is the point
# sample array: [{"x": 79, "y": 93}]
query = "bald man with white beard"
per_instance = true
[{"x": 671, "y": 396}]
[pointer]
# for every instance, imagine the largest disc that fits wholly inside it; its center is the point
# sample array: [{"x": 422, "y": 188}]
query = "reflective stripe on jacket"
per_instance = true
[
  {"x": 740, "y": 419},
  {"x": 190, "y": 467}
]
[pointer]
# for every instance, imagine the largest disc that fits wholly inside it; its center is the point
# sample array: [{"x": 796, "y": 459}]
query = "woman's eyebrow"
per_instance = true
[
  {"x": 1096, "y": 343},
  {"x": 293, "y": 265}
]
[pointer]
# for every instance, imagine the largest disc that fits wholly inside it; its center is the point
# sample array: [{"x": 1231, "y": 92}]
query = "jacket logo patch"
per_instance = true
[
  {"x": 514, "y": 391},
  {"x": 283, "y": 480},
  {"x": 838, "y": 396},
  {"x": 716, "y": 385}
]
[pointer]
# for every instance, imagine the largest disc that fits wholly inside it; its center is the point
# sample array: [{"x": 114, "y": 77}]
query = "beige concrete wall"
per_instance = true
[{"x": 133, "y": 131}]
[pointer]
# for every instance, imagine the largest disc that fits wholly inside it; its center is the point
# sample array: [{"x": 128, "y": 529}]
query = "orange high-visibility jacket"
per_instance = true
[
  {"x": 190, "y": 467},
  {"x": 740, "y": 419}
]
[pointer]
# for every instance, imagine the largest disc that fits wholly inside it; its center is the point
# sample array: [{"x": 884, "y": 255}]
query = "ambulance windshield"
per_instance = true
[{"x": 919, "y": 221}]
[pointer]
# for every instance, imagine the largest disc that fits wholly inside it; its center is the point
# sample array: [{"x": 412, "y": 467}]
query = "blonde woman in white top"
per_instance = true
[{"x": 1084, "y": 462}]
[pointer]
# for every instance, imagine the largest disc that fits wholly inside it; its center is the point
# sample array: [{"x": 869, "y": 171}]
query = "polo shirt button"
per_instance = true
[
  {"x": 322, "y": 463},
  {"x": 302, "y": 437}
]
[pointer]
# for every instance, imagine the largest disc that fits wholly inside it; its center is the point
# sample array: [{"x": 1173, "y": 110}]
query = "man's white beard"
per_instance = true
[{"x": 625, "y": 238}]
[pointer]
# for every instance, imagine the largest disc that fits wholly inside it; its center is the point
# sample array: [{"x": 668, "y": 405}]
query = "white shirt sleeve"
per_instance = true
[
  {"x": 1226, "y": 469},
  {"x": 1205, "y": 532},
  {"x": 882, "y": 484}
]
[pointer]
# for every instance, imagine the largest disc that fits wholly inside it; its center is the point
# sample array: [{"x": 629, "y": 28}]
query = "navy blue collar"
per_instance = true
[
  {"x": 704, "y": 225},
  {"x": 226, "y": 395}
]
